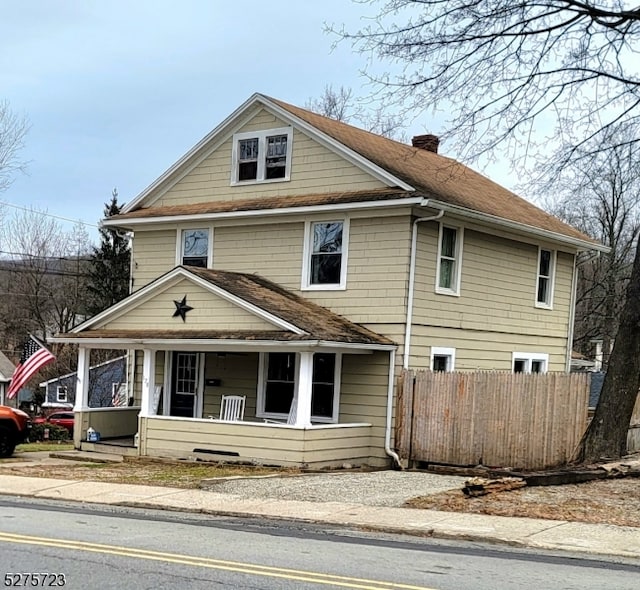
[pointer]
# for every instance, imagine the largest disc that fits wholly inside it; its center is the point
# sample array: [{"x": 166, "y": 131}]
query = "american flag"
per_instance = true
[{"x": 34, "y": 357}]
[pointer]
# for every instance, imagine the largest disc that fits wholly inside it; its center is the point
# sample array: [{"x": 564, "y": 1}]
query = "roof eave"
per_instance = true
[
  {"x": 302, "y": 210},
  {"x": 212, "y": 344},
  {"x": 519, "y": 227}
]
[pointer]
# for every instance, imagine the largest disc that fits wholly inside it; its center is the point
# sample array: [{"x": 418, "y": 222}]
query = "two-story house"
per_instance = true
[{"x": 299, "y": 263}]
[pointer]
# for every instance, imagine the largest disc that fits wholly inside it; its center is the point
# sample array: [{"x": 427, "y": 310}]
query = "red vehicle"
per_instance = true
[{"x": 64, "y": 419}]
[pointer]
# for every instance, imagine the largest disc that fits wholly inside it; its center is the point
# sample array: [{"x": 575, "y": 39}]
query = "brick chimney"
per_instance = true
[{"x": 426, "y": 142}]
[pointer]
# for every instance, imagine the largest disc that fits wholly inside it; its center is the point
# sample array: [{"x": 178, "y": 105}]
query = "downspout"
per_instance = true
[
  {"x": 390, "y": 387},
  {"x": 412, "y": 280},
  {"x": 407, "y": 339},
  {"x": 572, "y": 313}
]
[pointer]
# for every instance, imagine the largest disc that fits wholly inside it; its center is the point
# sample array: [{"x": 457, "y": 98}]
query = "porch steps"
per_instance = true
[{"x": 111, "y": 447}]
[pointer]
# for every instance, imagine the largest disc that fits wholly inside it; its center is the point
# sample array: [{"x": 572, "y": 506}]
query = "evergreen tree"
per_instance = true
[{"x": 110, "y": 264}]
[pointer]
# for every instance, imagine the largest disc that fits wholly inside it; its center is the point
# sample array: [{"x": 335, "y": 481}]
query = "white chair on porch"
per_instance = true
[
  {"x": 232, "y": 408},
  {"x": 291, "y": 418}
]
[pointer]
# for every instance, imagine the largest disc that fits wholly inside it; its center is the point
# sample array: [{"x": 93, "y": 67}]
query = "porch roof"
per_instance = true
[{"x": 311, "y": 322}]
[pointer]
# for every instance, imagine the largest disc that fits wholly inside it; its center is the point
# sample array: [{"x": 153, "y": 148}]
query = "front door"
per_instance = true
[{"x": 185, "y": 384}]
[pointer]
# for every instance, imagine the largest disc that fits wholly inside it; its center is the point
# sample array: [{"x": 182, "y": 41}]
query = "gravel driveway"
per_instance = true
[{"x": 378, "y": 488}]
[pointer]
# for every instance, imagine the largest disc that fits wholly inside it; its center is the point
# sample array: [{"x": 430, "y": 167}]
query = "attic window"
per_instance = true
[{"x": 261, "y": 156}]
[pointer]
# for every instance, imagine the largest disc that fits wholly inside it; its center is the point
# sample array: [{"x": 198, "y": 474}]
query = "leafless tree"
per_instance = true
[
  {"x": 503, "y": 69},
  {"x": 43, "y": 270},
  {"x": 342, "y": 105},
  {"x": 506, "y": 71},
  {"x": 13, "y": 130},
  {"x": 601, "y": 196}
]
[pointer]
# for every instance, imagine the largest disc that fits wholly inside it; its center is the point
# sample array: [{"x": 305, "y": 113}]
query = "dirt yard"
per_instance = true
[{"x": 610, "y": 501}]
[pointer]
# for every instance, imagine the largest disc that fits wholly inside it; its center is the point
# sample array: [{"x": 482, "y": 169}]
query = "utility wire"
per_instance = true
[{"x": 48, "y": 214}]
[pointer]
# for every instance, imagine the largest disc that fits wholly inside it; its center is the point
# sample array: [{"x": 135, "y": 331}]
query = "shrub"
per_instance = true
[{"x": 55, "y": 432}]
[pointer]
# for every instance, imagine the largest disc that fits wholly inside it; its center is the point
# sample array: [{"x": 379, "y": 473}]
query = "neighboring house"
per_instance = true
[
  {"x": 300, "y": 263},
  {"x": 106, "y": 387},
  {"x": 6, "y": 372}
]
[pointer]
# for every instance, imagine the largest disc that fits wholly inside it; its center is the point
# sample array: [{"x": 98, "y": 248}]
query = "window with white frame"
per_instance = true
[
  {"x": 530, "y": 362},
  {"x": 325, "y": 255},
  {"x": 449, "y": 260},
  {"x": 195, "y": 247},
  {"x": 443, "y": 359},
  {"x": 546, "y": 271},
  {"x": 279, "y": 382},
  {"x": 61, "y": 393},
  {"x": 324, "y": 383},
  {"x": 261, "y": 156}
]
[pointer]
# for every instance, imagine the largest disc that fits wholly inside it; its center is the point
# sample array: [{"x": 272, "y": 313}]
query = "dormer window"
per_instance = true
[{"x": 261, "y": 156}]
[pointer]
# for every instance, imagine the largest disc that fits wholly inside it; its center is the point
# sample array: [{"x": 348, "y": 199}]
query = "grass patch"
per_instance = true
[{"x": 44, "y": 446}]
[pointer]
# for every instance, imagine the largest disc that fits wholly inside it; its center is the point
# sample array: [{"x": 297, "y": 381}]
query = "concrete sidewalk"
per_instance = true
[{"x": 525, "y": 532}]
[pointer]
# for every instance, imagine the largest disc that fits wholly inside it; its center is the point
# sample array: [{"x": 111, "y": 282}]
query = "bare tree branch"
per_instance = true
[{"x": 13, "y": 130}]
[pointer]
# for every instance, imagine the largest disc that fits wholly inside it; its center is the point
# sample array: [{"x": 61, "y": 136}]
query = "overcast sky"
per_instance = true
[{"x": 118, "y": 90}]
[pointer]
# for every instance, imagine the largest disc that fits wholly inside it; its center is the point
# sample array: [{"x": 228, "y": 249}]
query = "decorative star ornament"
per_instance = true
[{"x": 181, "y": 309}]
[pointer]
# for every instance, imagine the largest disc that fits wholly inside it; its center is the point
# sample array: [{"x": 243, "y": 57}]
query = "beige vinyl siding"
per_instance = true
[
  {"x": 209, "y": 311},
  {"x": 274, "y": 251},
  {"x": 363, "y": 396},
  {"x": 154, "y": 254},
  {"x": 259, "y": 443},
  {"x": 238, "y": 373},
  {"x": 498, "y": 287},
  {"x": 377, "y": 271},
  {"x": 484, "y": 350},
  {"x": 314, "y": 169}
]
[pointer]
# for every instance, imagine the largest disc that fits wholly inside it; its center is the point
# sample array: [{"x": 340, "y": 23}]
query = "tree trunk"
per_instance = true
[{"x": 606, "y": 436}]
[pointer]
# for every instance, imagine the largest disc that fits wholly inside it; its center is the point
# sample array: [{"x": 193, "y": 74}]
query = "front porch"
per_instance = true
[
  {"x": 312, "y": 387},
  {"x": 335, "y": 416}
]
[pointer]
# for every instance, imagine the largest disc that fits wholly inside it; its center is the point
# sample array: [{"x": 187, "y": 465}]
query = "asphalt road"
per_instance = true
[{"x": 100, "y": 547}]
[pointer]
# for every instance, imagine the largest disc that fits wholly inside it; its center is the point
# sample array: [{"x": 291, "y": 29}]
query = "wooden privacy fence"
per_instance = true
[{"x": 526, "y": 421}]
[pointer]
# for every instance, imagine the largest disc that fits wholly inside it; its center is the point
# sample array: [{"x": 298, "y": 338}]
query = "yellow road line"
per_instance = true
[{"x": 219, "y": 564}]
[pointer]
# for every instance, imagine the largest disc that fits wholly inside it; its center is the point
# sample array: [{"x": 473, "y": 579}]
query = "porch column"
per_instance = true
[
  {"x": 82, "y": 383},
  {"x": 303, "y": 394},
  {"x": 147, "y": 407}
]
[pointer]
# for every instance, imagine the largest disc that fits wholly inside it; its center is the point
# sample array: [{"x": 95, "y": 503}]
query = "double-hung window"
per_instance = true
[
  {"x": 530, "y": 362},
  {"x": 449, "y": 260},
  {"x": 194, "y": 248},
  {"x": 280, "y": 383},
  {"x": 261, "y": 156},
  {"x": 325, "y": 255},
  {"x": 280, "y": 380},
  {"x": 546, "y": 271}
]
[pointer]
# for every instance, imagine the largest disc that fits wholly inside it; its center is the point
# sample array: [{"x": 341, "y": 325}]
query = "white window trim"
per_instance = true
[
  {"x": 552, "y": 279},
  {"x": 307, "y": 250},
  {"x": 180, "y": 243},
  {"x": 444, "y": 351},
  {"x": 262, "y": 381},
  {"x": 60, "y": 396},
  {"x": 336, "y": 394},
  {"x": 262, "y": 385},
  {"x": 528, "y": 358},
  {"x": 261, "y": 136},
  {"x": 458, "y": 260}
]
